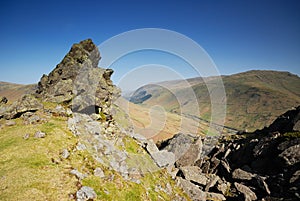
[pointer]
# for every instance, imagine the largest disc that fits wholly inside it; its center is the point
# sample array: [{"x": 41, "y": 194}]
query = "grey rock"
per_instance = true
[
  {"x": 193, "y": 173},
  {"x": 85, "y": 193},
  {"x": 249, "y": 195},
  {"x": 65, "y": 153},
  {"x": 163, "y": 158},
  {"x": 151, "y": 147},
  {"x": 242, "y": 174},
  {"x": 179, "y": 144},
  {"x": 191, "y": 190},
  {"x": 98, "y": 172},
  {"x": 79, "y": 82},
  {"x": 291, "y": 155},
  {"x": 214, "y": 196},
  {"x": 95, "y": 116},
  {"x": 31, "y": 118},
  {"x": 223, "y": 187},
  {"x": 59, "y": 110},
  {"x": 80, "y": 147},
  {"x": 187, "y": 149},
  {"x": 192, "y": 155},
  {"x": 39, "y": 134},
  {"x": 262, "y": 184},
  {"x": 78, "y": 174},
  {"x": 10, "y": 123},
  {"x": 27, "y": 103},
  {"x": 285, "y": 145},
  {"x": 26, "y": 136},
  {"x": 212, "y": 182},
  {"x": 225, "y": 165},
  {"x": 295, "y": 176}
]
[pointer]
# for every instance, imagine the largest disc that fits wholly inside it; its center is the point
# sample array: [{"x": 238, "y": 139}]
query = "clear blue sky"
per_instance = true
[{"x": 238, "y": 35}]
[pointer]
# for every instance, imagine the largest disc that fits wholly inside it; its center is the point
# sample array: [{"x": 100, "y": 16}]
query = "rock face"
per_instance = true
[
  {"x": 187, "y": 149},
  {"x": 79, "y": 82}
]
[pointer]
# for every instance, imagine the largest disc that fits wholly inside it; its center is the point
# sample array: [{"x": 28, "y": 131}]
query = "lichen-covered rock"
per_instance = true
[
  {"x": 192, "y": 190},
  {"x": 27, "y": 103},
  {"x": 242, "y": 174},
  {"x": 78, "y": 174},
  {"x": 249, "y": 195},
  {"x": 39, "y": 134},
  {"x": 193, "y": 173},
  {"x": 32, "y": 118},
  {"x": 163, "y": 158},
  {"x": 85, "y": 193},
  {"x": 187, "y": 149},
  {"x": 79, "y": 82},
  {"x": 291, "y": 155}
]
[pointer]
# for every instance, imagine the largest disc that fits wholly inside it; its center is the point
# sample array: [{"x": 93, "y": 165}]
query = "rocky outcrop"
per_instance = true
[
  {"x": 28, "y": 103},
  {"x": 263, "y": 165},
  {"x": 186, "y": 148},
  {"x": 79, "y": 82},
  {"x": 287, "y": 122}
]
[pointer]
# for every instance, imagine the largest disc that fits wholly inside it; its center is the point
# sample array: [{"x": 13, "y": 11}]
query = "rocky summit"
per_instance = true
[{"x": 77, "y": 81}]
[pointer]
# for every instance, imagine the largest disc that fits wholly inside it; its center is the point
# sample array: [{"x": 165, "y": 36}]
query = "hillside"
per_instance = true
[
  {"x": 14, "y": 91},
  {"x": 158, "y": 124},
  {"x": 254, "y": 98}
]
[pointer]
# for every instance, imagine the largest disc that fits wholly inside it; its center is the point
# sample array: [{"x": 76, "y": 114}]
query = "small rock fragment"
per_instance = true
[
  {"x": 242, "y": 174},
  {"x": 26, "y": 136},
  {"x": 98, "y": 172},
  {"x": 39, "y": 134},
  {"x": 85, "y": 193},
  {"x": 10, "y": 123},
  {"x": 78, "y": 174},
  {"x": 65, "y": 153},
  {"x": 80, "y": 147}
]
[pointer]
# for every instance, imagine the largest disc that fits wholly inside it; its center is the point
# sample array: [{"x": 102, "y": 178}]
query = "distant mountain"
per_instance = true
[
  {"x": 14, "y": 91},
  {"x": 254, "y": 98}
]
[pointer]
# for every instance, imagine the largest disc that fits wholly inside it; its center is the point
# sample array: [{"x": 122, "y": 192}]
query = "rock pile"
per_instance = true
[{"x": 263, "y": 165}]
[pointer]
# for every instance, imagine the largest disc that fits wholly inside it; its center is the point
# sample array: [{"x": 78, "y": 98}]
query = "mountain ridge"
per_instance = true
[{"x": 269, "y": 92}]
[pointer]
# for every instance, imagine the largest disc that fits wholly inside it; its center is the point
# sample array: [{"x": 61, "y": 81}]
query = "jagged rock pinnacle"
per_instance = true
[{"x": 78, "y": 81}]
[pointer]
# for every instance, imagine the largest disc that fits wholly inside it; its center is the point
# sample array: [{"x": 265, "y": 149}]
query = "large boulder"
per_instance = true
[
  {"x": 192, "y": 190},
  {"x": 187, "y": 149},
  {"x": 78, "y": 81}
]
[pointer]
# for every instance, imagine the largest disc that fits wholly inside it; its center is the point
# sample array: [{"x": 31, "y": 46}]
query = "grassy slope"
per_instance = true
[
  {"x": 15, "y": 91},
  {"x": 254, "y": 98},
  {"x": 33, "y": 169},
  {"x": 157, "y": 124}
]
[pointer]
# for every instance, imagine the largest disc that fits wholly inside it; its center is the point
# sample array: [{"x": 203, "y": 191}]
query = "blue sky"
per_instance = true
[{"x": 238, "y": 35}]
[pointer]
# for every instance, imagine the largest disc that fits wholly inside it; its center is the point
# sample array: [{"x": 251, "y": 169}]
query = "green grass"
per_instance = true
[{"x": 28, "y": 172}]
